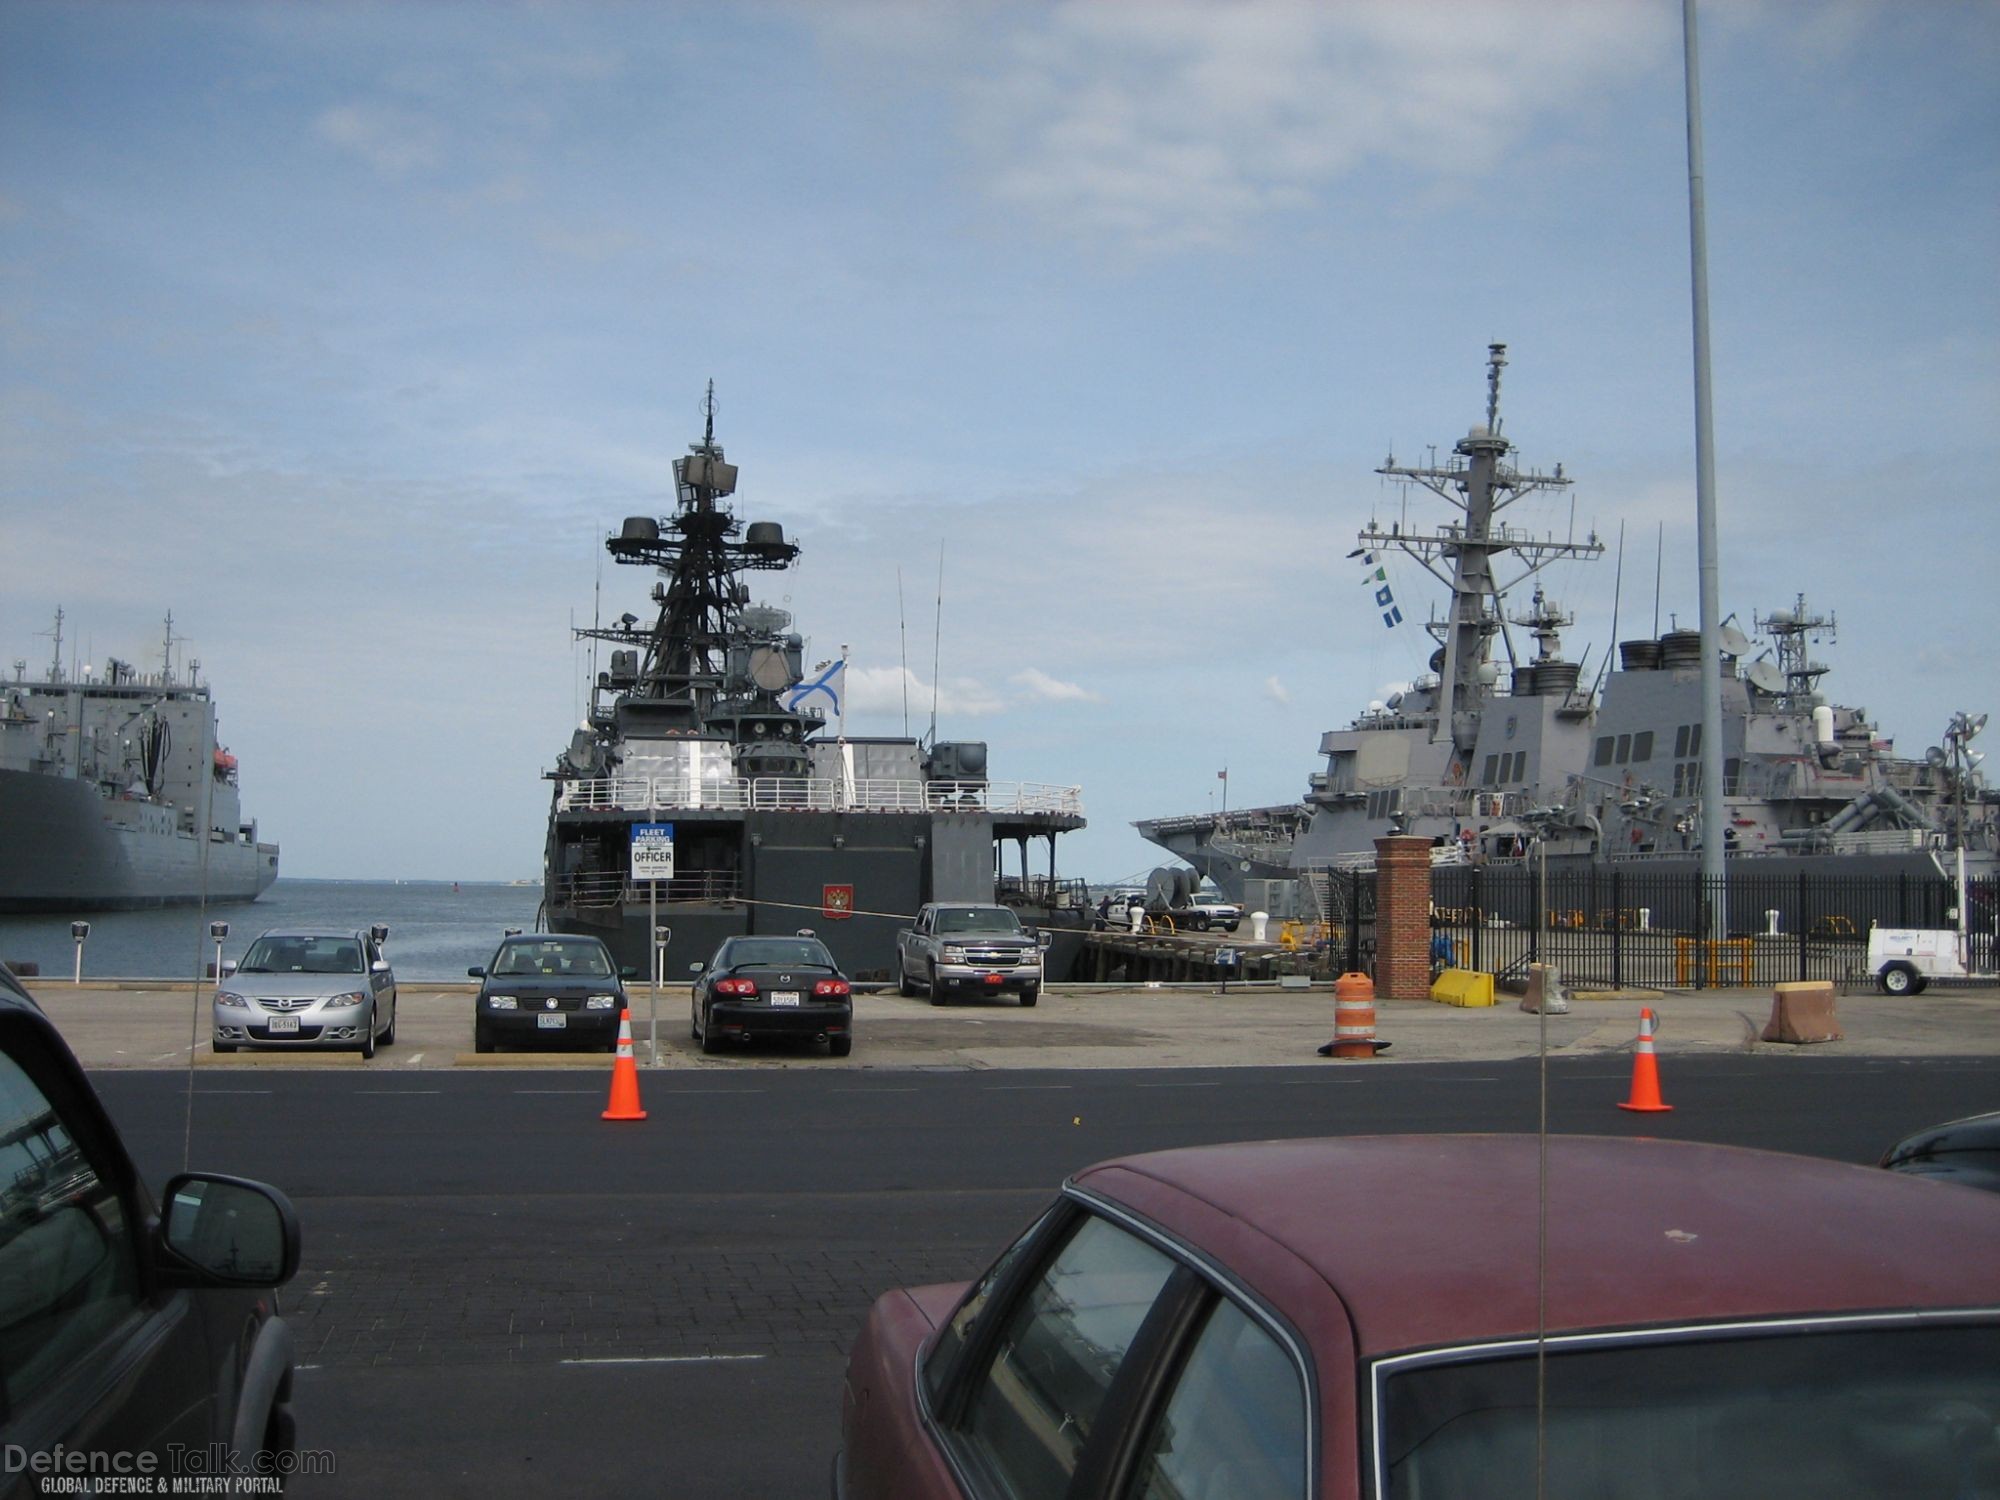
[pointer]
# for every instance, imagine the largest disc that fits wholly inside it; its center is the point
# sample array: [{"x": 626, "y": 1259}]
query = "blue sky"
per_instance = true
[{"x": 346, "y": 331}]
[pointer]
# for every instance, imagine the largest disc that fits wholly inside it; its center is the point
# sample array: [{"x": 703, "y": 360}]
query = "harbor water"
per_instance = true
[{"x": 437, "y": 929}]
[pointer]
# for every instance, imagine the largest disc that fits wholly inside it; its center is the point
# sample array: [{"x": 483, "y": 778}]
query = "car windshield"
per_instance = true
[
  {"x": 553, "y": 958},
  {"x": 302, "y": 955},
  {"x": 805, "y": 953},
  {"x": 977, "y": 919},
  {"x": 1882, "y": 1411}
]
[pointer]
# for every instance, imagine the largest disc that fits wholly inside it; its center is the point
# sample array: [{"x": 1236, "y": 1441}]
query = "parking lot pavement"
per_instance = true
[{"x": 138, "y": 1024}]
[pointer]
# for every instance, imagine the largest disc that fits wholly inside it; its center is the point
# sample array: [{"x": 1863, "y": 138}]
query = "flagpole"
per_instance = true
[{"x": 841, "y": 702}]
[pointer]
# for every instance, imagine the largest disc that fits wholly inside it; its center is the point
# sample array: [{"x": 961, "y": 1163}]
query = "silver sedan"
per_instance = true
[{"x": 312, "y": 988}]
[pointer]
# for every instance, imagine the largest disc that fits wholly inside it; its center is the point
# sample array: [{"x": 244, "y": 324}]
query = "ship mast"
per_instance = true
[
  {"x": 702, "y": 549},
  {"x": 1480, "y": 483}
]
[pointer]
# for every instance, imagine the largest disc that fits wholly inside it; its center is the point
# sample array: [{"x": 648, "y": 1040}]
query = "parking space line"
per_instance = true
[
  {"x": 399, "y": 1091},
  {"x": 1215, "y": 1083},
  {"x": 558, "y": 1091},
  {"x": 665, "y": 1359}
]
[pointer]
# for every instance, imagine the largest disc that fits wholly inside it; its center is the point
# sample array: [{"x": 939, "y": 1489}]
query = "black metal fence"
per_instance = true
[{"x": 1618, "y": 927}]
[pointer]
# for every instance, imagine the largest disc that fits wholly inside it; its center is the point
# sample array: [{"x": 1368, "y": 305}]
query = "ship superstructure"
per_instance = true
[
  {"x": 1498, "y": 743},
  {"x": 708, "y": 721},
  {"x": 115, "y": 793}
]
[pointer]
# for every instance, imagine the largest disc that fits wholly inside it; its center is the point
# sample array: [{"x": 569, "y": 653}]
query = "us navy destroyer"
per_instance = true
[
  {"x": 116, "y": 795},
  {"x": 706, "y": 724},
  {"x": 1494, "y": 746}
]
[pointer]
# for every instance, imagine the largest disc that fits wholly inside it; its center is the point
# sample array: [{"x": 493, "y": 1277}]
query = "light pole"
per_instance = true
[{"x": 79, "y": 931}]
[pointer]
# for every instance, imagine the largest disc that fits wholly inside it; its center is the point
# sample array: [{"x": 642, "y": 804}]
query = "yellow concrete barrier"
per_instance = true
[{"x": 1466, "y": 987}]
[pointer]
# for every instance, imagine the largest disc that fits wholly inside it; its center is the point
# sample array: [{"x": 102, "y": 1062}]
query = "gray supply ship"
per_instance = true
[
  {"x": 116, "y": 795},
  {"x": 707, "y": 726},
  {"x": 1494, "y": 742}
]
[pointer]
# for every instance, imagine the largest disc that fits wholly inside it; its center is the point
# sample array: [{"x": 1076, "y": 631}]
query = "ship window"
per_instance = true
[
  {"x": 1604, "y": 751},
  {"x": 1680, "y": 742},
  {"x": 1642, "y": 746},
  {"x": 1680, "y": 779},
  {"x": 1520, "y": 766},
  {"x": 1732, "y": 771},
  {"x": 1694, "y": 740},
  {"x": 1492, "y": 769},
  {"x": 1624, "y": 748}
]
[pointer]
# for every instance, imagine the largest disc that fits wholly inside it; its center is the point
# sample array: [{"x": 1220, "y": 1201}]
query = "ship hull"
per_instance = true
[
  {"x": 855, "y": 879},
  {"x": 64, "y": 850}
]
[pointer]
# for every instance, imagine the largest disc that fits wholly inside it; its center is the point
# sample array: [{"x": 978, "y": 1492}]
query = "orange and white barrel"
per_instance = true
[{"x": 1354, "y": 1016}]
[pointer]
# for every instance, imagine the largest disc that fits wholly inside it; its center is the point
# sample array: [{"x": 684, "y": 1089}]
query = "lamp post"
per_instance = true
[{"x": 79, "y": 931}]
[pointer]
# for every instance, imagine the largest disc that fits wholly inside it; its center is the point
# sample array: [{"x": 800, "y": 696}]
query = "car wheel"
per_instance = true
[
  {"x": 709, "y": 1045},
  {"x": 936, "y": 994},
  {"x": 839, "y": 1046},
  {"x": 1197, "y": 922},
  {"x": 1029, "y": 997},
  {"x": 368, "y": 1035},
  {"x": 223, "y": 1046},
  {"x": 482, "y": 1039},
  {"x": 1898, "y": 979},
  {"x": 903, "y": 985},
  {"x": 388, "y": 1037},
  {"x": 1231, "y": 926}
]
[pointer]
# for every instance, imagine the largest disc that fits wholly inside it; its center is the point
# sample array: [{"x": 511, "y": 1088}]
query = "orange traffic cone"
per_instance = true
[
  {"x": 624, "y": 1076},
  {"x": 1645, "y": 1072}
]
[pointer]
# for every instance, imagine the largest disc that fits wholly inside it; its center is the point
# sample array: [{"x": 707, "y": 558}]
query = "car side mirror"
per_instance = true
[
  {"x": 226, "y": 1231},
  {"x": 475, "y": 972},
  {"x": 630, "y": 971},
  {"x": 380, "y": 966},
  {"x": 228, "y": 967},
  {"x": 1043, "y": 937},
  {"x": 696, "y": 967}
]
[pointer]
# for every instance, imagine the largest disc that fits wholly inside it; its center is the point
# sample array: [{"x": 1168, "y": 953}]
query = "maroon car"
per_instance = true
[{"x": 1372, "y": 1317}]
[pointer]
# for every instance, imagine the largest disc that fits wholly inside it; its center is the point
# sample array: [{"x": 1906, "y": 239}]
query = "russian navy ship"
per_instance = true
[
  {"x": 759, "y": 813},
  {"x": 116, "y": 795},
  {"x": 1499, "y": 740}
]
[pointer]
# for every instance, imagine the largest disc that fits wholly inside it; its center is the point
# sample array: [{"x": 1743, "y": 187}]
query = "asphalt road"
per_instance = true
[{"x": 504, "y": 1295}]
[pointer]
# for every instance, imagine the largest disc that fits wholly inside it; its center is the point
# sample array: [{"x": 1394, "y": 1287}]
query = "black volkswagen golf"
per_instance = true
[
  {"x": 543, "y": 989},
  {"x": 773, "y": 986}
]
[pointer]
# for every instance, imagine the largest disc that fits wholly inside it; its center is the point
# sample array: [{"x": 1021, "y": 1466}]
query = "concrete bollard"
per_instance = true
[
  {"x": 1260, "y": 923},
  {"x": 1802, "y": 1013},
  {"x": 1545, "y": 993}
]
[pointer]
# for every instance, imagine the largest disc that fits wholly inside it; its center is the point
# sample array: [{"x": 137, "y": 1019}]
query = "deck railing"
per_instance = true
[{"x": 814, "y": 794}]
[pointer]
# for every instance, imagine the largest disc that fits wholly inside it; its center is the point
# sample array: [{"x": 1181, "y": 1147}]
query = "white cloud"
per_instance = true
[
  {"x": 1172, "y": 126},
  {"x": 886, "y": 691},
  {"x": 1043, "y": 688},
  {"x": 1276, "y": 691},
  {"x": 394, "y": 141}
]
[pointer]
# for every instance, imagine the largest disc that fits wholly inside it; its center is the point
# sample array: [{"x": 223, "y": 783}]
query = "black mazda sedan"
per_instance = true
[
  {"x": 542, "y": 989},
  {"x": 773, "y": 986}
]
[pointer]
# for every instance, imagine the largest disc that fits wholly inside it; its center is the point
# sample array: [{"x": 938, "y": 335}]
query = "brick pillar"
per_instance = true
[{"x": 1403, "y": 918}]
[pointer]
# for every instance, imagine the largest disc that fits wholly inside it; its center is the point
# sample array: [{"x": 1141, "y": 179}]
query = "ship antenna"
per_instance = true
[
  {"x": 1496, "y": 361},
  {"x": 937, "y": 642},
  {"x": 708, "y": 412},
  {"x": 903, "y": 634}
]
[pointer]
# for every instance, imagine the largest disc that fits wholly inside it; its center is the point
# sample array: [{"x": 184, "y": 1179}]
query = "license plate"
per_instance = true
[
  {"x": 284, "y": 1023},
  {"x": 785, "y": 997},
  {"x": 552, "y": 1020}
]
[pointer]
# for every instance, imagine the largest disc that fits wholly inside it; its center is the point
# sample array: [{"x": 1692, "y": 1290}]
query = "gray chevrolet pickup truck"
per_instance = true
[{"x": 966, "y": 949}]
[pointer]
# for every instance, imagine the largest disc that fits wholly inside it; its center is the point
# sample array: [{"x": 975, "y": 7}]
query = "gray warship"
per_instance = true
[
  {"x": 1497, "y": 740},
  {"x": 707, "y": 725},
  {"x": 116, "y": 795}
]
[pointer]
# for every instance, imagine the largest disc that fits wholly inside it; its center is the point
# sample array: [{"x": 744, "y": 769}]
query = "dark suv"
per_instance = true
[
  {"x": 543, "y": 989},
  {"x": 135, "y": 1339}
]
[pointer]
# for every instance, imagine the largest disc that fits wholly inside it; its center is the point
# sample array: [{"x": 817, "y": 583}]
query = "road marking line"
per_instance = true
[
  {"x": 872, "y": 1091},
  {"x": 1021, "y": 1088},
  {"x": 399, "y": 1091},
  {"x": 556, "y": 1091},
  {"x": 1215, "y": 1084},
  {"x": 232, "y": 1091},
  {"x": 414, "y": 1061},
  {"x": 663, "y": 1359}
]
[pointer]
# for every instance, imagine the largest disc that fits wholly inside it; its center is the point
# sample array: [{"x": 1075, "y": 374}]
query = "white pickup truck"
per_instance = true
[{"x": 969, "y": 949}]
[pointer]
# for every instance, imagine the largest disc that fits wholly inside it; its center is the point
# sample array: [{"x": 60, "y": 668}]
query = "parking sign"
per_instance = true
[{"x": 652, "y": 851}]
